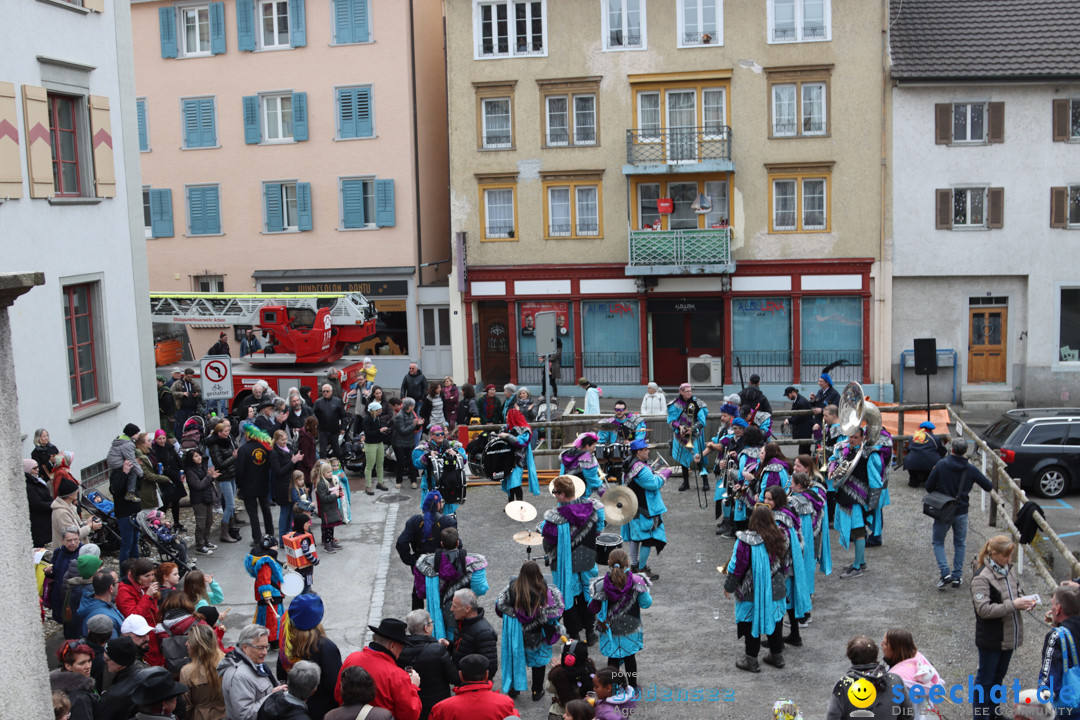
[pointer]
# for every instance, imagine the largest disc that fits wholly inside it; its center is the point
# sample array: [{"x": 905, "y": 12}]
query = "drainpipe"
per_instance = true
[
  {"x": 883, "y": 301},
  {"x": 416, "y": 146}
]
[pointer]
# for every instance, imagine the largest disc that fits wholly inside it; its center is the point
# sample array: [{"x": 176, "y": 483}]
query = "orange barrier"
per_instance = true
[{"x": 912, "y": 418}]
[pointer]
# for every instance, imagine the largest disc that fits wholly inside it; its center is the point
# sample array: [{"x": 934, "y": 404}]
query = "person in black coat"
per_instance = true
[
  {"x": 297, "y": 415},
  {"x": 39, "y": 497},
  {"x": 414, "y": 541},
  {"x": 475, "y": 634},
  {"x": 430, "y": 659},
  {"x": 162, "y": 452},
  {"x": 43, "y": 452},
  {"x": 282, "y": 464},
  {"x": 305, "y": 628},
  {"x": 253, "y": 482},
  {"x": 126, "y": 669},
  {"x": 329, "y": 410},
  {"x": 923, "y": 452},
  {"x": 753, "y": 396},
  {"x": 802, "y": 426}
]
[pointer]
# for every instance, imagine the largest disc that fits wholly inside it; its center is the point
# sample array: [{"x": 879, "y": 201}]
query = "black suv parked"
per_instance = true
[{"x": 1040, "y": 446}]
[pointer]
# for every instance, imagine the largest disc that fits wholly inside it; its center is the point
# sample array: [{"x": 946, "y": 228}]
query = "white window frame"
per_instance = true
[
  {"x": 566, "y": 113},
  {"x": 716, "y": 39},
  {"x": 967, "y": 192},
  {"x": 264, "y": 110},
  {"x": 574, "y": 116},
  {"x": 968, "y": 114},
  {"x": 148, "y": 221},
  {"x": 569, "y": 217},
  {"x": 608, "y": 30},
  {"x": 484, "y": 120},
  {"x": 590, "y": 232},
  {"x": 641, "y": 203},
  {"x": 776, "y": 226},
  {"x": 776, "y": 131},
  {"x": 181, "y": 30},
  {"x": 659, "y": 131},
  {"x": 723, "y": 112},
  {"x": 487, "y": 214},
  {"x": 287, "y": 44},
  {"x": 369, "y": 199},
  {"x": 721, "y": 212},
  {"x": 802, "y": 120},
  {"x": 511, "y": 34},
  {"x": 1072, "y": 196},
  {"x": 800, "y": 19},
  {"x": 214, "y": 283},
  {"x": 287, "y": 187},
  {"x": 1074, "y": 129},
  {"x": 805, "y": 225}
]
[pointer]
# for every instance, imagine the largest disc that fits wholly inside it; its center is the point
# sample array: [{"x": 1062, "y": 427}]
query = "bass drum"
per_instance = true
[
  {"x": 499, "y": 458},
  {"x": 450, "y": 477},
  {"x": 605, "y": 544}
]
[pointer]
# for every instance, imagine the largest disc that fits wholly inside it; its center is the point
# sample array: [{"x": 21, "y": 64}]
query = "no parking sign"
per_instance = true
[{"x": 217, "y": 383}]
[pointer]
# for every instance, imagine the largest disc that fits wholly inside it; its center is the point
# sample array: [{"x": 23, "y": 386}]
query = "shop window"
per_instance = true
[
  {"x": 761, "y": 336},
  {"x": 611, "y": 332},
  {"x": 391, "y": 330},
  {"x": 832, "y": 329}
]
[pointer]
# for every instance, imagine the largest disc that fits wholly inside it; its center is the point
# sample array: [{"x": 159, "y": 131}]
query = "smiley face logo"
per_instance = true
[{"x": 861, "y": 693}]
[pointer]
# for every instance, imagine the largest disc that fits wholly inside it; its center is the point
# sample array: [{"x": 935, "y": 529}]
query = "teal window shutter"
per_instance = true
[
  {"x": 346, "y": 113},
  {"x": 275, "y": 221},
  {"x": 191, "y": 123},
  {"x": 245, "y": 25},
  {"x": 363, "y": 112},
  {"x": 299, "y": 116},
  {"x": 303, "y": 206},
  {"x": 207, "y": 127},
  {"x": 196, "y": 212},
  {"x": 167, "y": 21},
  {"x": 297, "y": 25},
  {"x": 213, "y": 210},
  {"x": 343, "y": 22},
  {"x": 352, "y": 204},
  {"x": 217, "y": 28},
  {"x": 161, "y": 223},
  {"x": 144, "y": 135},
  {"x": 360, "y": 21},
  {"x": 252, "y": 129},
  {"x": 384, "y": 203}
]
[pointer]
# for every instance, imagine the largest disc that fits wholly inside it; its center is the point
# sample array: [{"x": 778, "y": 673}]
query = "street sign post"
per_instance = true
[{"x": 217, "y": 382}]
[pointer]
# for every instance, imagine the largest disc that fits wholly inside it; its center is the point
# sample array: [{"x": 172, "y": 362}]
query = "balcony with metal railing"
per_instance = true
[
  {"x": 680, "y": 252},
  {"x": 678, "y": 150}
]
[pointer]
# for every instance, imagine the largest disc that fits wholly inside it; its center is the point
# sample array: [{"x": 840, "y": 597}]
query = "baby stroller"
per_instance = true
[
  {"x": 352, "y": 452},
  {"x": 97, "y": 505},
  {"x": 193, "y": 435},
  {"x": 156, "y": 535}
]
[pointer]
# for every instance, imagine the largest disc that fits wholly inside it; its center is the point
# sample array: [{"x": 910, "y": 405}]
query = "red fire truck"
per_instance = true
[{"x": 308, "y": 333}]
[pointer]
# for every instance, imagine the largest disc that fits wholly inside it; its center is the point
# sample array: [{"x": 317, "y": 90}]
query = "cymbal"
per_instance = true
[
  {"x": 579, "y": 485},
  {"x": 620, "y": 506},
  {"x": 528, "y": 537},
  {"x": 520, "y": 510}
]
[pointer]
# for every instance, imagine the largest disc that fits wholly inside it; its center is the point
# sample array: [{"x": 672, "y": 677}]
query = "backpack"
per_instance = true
[
  {"x": 175, "y": 651},
  {"x": 1069, "y": 696},
  {"x": 450, "y": 480},
  {"x": 499, "y": 458}
]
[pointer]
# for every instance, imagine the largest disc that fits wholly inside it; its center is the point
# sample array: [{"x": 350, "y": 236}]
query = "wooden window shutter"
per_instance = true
[
  {"x": 944, "y": 209},
  {"x": 943, "y": 123},
  {"x": 1059, "y": 207},
  {"x": 10, "y": 162},
  {"x": 1061, "y": 120},
  {"x": 38, "y": 143},
  {"x": 995, "y": 207},
  {"x": 996, "y": 122},
  {"x": 102, "y": 142}
]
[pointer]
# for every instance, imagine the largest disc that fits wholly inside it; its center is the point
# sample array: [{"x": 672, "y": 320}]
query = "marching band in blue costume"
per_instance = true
[
  {"x": 646, "y": 530},
  {"x": 687, "y": 416}
]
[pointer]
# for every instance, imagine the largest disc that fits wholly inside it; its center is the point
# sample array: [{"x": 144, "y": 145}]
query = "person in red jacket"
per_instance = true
[
  {"x": 474, "y": 699},
  {"x": 138, "y": 595},
  {"x": 395, "y": 689}
]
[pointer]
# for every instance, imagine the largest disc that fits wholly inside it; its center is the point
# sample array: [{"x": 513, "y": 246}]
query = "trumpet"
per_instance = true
[{"x": 687, "y": 433}]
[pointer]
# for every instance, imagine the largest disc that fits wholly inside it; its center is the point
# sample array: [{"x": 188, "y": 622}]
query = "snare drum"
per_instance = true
[{"x": 605, "y": 544}]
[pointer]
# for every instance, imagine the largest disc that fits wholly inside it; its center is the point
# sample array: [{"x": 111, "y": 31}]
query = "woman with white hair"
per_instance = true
[{"x": 654, "y": 402}]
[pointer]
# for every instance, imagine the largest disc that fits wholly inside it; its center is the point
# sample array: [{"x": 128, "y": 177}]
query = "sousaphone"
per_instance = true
[
  {"x": 620, "y": 505},
  {"x": 855, "y": 412}
]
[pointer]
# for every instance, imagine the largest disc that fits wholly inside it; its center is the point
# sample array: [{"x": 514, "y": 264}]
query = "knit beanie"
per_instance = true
[{"x": 88, "y": 565}]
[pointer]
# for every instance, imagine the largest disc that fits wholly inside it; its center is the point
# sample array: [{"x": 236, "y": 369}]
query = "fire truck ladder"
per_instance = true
[{"x": 228, "y": 309}]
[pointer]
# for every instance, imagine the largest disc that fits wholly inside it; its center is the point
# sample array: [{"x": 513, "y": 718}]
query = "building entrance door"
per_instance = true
[
  {"x": 494, "y": 344},
  {"x": 690, "y": 328},
  {"x": 986, "y": 344}
]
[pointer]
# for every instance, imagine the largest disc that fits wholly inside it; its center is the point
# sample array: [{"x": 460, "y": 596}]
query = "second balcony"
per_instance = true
[{"x": 653, "y": 151}]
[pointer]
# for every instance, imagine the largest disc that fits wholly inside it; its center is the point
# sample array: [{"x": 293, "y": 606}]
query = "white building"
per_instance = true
[
  {"x": 986, "y": 198},
  {"x": 82, "y": 343}
]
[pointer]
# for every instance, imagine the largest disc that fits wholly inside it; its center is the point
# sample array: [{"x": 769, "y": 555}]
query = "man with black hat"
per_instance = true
[
  {"x": 186, "y": 394},
  {"x": 474, "y": 699},
  {"x": 395, "y": 689},
  {"x": 267, "y": 420},
  {"x": 122, "y": 661},
  {"x": 156, "y": 694},
  {"x": 802, "y": 426}
]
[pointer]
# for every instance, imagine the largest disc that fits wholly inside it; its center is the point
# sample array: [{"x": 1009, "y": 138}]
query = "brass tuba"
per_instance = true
[{"x": 854, "y": 410}]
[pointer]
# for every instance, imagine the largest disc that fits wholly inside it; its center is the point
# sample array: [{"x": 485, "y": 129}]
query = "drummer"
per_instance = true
[
  {"x": 580, "y": 459},
  {"x": 438, "y": 575},
  {"x": 620, "y": 430},
  {"x": 569, "y": 532},
  {"x": 646, "y": 531}
]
